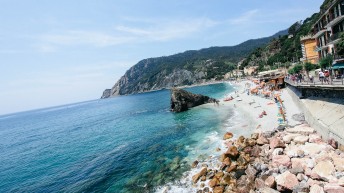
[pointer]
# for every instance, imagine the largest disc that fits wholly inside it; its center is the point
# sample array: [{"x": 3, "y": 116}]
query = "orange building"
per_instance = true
[{"x": 309, "y": 52}]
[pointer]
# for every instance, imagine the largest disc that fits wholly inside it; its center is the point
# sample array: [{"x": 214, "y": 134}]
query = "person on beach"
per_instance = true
[{"x": 321, "y": 76}]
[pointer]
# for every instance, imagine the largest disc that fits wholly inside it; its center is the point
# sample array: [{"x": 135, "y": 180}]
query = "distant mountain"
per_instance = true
[{"x": 189, "y": 67}]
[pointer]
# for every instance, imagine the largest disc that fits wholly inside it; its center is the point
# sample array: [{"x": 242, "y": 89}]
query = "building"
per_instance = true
[
  {"x": 327, "y": 29},
  {"x": 309, "y": 52}
]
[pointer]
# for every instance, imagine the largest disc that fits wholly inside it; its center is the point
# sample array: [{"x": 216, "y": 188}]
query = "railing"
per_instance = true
[{"x": 331, "y": 81}]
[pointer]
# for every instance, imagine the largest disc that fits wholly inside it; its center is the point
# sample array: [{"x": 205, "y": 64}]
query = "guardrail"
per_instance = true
[{"x": 317, "y": 82}]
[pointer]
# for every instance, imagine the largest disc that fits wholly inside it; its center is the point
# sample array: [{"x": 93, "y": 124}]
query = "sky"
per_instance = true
[{"x": 67, "y": 51}]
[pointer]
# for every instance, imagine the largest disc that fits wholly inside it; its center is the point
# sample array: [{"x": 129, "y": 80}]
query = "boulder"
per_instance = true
[
  {"x": 315, "y": 138},
  {"x": 250, "y": 171},
  {"x": 255, "y": 151},
  {"x": 262, "y": 140},
  {"x": 228, "y": 135},
  {"x": 278, "y": 160},
  {"x": 267, "y": 190},
  {"x": 182, "y": 100},
  {"x": 194, "y": 164},
  {"x": 302, "y": 163},
  {"x": 213, "y": 182},
  {"x": 218, "y": 189},
  {"x": 227, "y": 161},
  {"x": 232, "y": 152},
  {"x": 289, "y": 137},
  {"x": 254, "y": 136},
  {"x": 302, "y": 139},
  {"x": 302, "y": 129},
  {"x": 286, "y": 180},
  {"x": 197, "y": 176},
  {"x": 259, "y": 183},
  {"x": 312, "y": 148},
  {"x": 324, "y": 170},
  {"x": 270, "y": 182},
  {"x": 338, "y": 163},
  {"x": 333, "y": 188},
  {"x": 275, "y": 142},
  {"x": 316, "y": 189}
]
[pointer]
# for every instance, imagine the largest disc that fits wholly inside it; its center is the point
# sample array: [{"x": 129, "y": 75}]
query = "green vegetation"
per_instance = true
[
  {"x": 284, "y": 50},
  {"x": 326, "y": 61},
  {"x": 340, "y": 45}
]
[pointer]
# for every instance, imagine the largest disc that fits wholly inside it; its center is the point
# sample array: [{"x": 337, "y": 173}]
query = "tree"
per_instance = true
[
  {"x": 308, "y": 67},
  {"x": 297, "y": 68},
  {"x": 326, "y": 61},
  {"x": 340, "y": 45}
]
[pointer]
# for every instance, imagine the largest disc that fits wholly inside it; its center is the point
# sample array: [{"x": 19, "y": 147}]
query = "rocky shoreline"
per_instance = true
[{"x": 285, "y": 159}]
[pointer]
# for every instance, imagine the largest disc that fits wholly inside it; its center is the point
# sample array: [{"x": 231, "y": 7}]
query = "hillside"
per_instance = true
[{"x": 189, "y": 67}]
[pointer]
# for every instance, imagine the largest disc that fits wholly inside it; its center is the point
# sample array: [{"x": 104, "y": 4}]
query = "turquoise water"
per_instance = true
[{"x": 123, "y": 144}]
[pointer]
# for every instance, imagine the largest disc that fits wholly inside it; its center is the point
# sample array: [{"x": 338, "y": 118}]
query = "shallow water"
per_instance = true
[{"x": 123, "y": 144}]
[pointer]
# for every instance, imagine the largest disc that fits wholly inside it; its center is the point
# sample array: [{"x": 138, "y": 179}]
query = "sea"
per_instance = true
[{"x": 123, "y": 144}]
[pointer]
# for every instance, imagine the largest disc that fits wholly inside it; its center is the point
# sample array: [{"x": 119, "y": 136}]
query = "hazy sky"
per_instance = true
[{"x": 66, "y": 51}]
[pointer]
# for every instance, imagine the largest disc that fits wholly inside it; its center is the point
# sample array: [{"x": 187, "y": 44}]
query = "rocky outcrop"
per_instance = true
[
  {"x": 182, "y": 100},
  {"x": 106, "y": 93}
]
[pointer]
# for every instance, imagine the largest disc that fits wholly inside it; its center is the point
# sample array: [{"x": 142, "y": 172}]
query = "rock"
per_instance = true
[
  {"x": 301, "y": 129},
  {"x": 338, "y": 163},
  {"x": 268, "y": 134},
  {"x": 312, "y": 148},
  {"x": 213, "y": 182},
  {"x": 238, "y": 173},
  {"x": 254, "y": 136},
  {"x": 244, "y": 184},
  {"x": 301, "y": 139},
  {"x": 270, "y": 182},
  {"x": 267, "y": 190},
  {"x": 232, "y": 152},
  {"x": 217, "y": 149},
  {"x": 250, "y": 171},
  {"x": 203, "y": 178},
  {"x": 223, "y": 157},
  {"x": 302, "y": 177},
  {"x": 324, "y": 169},
  {"x": 286, "y": 180},
  {"x": 333, "y": 143},
  {"x": 255, "y": 151},
  {"x": 197, "y": 176},
  {"x": 228, "y": 135},
  {"x": 316, "y": 189},
  {"x": 243, "y": 160},
  {"x": 289, "y": 137},
  {"x": 210, "y": 174},
  {"x": 296, "y": 170},
  {"x": 300, "y": 153},
  {"x": 206, "y": 189},
  {"x": 227, "y": 161},
  {"x": 250, "y": 142},
  {"x": 218, "y": 189},
  {"x": 106, "y": 94},
  {"x": 259, "y": 183},
  {"x": 277, "y": 151},
  {"x": 262, "y": 140},
  {"x": 276, "y": 143},
  {"x": 302, "y": 163},
  {"x": 282, "y": 169},
  {"x": 301, "y": 187},
  {"x": 315, "y": 138},
  {"x": 231, "y": 168},
  {"x": 219, "y": 175},
  {"x": 333, "y": 188},
  {"x": 226, "y": 180},
  {"x": 182, "y": 100},
  {"x": 194, "y": 164},
  {"x": 283, "y": 160}
]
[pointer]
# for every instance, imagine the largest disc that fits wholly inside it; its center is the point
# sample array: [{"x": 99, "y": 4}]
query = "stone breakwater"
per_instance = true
[{"x": 294, "y": 159}]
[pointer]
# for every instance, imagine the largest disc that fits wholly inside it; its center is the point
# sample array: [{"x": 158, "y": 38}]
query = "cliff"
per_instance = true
[
  {"x": 185, "y": 68},
  {"x": 182, "y": 100}
]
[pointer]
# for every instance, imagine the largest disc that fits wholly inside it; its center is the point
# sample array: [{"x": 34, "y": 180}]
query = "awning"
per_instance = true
[{"x": 338, "y": 66}]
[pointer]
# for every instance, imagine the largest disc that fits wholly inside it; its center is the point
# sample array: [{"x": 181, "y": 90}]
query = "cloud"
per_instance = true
[
  {"x": 245, "y": 18},
  {"x": 152, "y": 31}
]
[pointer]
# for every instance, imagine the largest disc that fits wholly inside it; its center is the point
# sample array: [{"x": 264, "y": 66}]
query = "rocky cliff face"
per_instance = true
[
  {"x": 182, "y": 100},
  {"x": 106, "y": 93}
]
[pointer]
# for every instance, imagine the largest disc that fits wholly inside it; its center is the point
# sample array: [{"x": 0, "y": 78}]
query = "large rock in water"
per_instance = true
[{"x": 182, "y": 100}]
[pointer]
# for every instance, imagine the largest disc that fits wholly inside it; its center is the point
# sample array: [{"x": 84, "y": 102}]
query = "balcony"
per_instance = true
[
  {"x": 335, "y": 21},
  {"x": 319, "y": 33}
]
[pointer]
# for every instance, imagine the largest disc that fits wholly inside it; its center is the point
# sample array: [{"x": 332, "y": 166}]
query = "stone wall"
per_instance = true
[{"x": 326, "y": 115}]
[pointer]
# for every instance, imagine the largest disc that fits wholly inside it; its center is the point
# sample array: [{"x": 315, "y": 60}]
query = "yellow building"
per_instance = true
[{"x": 309, "y": 52}]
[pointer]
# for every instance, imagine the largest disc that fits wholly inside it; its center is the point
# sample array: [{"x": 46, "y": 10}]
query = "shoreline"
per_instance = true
[{"x": 275, "y": 157}]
